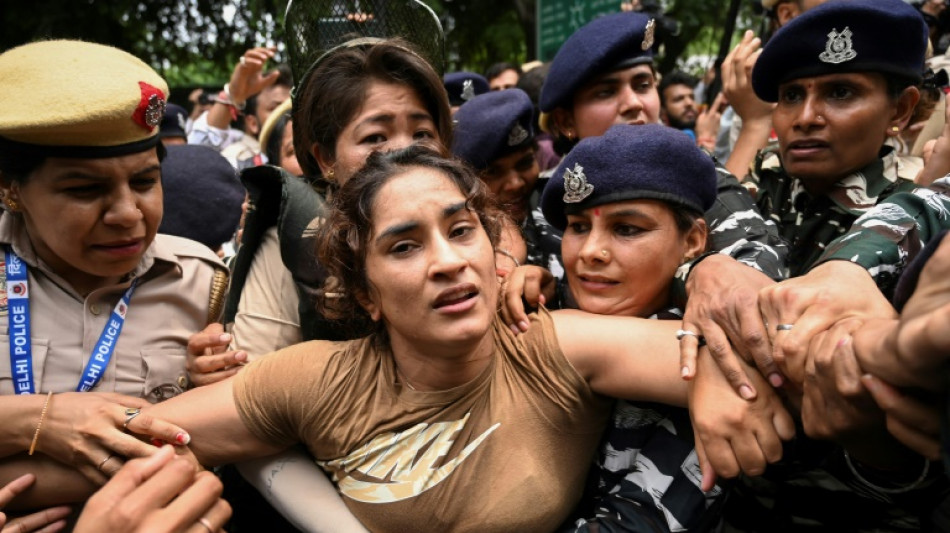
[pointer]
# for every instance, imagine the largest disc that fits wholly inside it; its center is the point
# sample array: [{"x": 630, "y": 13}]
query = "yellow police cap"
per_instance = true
[{"x": 79, "y": 99}]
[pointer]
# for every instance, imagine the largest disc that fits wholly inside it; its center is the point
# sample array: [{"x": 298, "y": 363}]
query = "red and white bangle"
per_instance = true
[{"x": 225, "y": 98}]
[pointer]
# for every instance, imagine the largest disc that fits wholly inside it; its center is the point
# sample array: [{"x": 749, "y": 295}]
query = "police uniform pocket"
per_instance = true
[
  {"x": 8, "y": 381},
  {"x": 165, "y": 374}
]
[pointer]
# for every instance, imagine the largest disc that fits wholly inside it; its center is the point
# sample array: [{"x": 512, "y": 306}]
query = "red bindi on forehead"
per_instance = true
[{"x": 596, "y": 211}]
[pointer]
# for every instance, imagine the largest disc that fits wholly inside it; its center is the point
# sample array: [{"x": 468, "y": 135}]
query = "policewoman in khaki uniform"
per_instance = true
[{"x": 93, "y": 303}]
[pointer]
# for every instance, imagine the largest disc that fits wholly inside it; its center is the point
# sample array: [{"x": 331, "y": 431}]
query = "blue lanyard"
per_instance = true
[{"x": 21, "y": 348}]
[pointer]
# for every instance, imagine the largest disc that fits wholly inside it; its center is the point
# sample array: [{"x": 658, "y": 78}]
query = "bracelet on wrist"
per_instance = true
[
  {"x": 225, "y": 98},
  {"x": 39, "y": 425}
]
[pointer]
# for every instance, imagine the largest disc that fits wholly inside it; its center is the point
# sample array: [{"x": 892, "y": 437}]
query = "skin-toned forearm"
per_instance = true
[
  {"x": 210, "y": 416},
  {"x": 21, "y": 414},
  {"x": 56, "y": 483},
  {"x": 752, "y": 138},
  {"x": 631, "y": 358},
  {"x": 219, "y": 116},
  {"x": 303, "y": 494}
]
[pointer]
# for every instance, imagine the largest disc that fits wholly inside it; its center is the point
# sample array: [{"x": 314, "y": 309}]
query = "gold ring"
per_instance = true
[{"x": 207, "y": 525}]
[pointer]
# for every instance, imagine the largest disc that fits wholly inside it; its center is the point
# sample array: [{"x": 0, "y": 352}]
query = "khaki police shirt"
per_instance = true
[
  {"x": 267, "y": 318},
  {"x": 170, "y": 303}
]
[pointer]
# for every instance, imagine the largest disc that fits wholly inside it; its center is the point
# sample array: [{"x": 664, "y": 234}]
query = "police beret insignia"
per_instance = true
[
  {"x": 648, "y": 35},
  {"x": 576, "y": 187},
  {"x": 517, "y": 135},
  {"x": 468, "y": 91},
  {"x": 838, "y": 49}
]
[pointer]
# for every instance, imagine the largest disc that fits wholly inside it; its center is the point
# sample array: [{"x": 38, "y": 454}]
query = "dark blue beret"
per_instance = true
[
  {"x": 629, "y": 162},
  {"x": 603, "y": 45},
  {"x": 173, "y": 122},
  {"x": 885, "y": 36},
  {"x": 203, "y": 195},
  {"x": 493, "y": 125},
  {"x": 463, "y": 86}
]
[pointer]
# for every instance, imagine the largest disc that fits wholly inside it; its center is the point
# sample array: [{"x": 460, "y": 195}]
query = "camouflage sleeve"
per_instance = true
[
  {"x": 886, "y": 238},
  {"x": 738, "y": 230}
]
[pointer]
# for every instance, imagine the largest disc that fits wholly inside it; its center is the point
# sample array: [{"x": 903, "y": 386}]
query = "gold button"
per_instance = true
[
  {"x": 94, "y": 309},
  {"x": 183, "y": 382}
]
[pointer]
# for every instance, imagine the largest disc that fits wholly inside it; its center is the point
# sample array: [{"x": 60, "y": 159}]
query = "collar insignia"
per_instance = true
[
  {"x": 648, "y": 35},
  {"x": 838, "y": 48},
  {"x": 517, "y": 135},
  {"x": 576, "y": 187},
  {"x": 468, "y": 91}
]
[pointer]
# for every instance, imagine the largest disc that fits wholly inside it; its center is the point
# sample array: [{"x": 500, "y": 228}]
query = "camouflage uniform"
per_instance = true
[
  {"x": 813, "y": 488},
  {"x": 810, "y": 223},
  {"x": 887, "y": 237}
]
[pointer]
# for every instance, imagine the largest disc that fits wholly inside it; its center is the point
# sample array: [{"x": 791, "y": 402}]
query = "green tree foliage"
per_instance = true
[{"x": 196, "y": 42}]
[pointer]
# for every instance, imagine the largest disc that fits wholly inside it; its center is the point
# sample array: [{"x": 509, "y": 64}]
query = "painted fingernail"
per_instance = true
[
  {"x": 776, "y": 379},
  {"x": 240, "y": 356},
  {"x": 523, "y": 325},
  {"x": 183, "y": 438},
  {"x": 514, "y": 329},
  {"x": 157, "y": 443},
  {"x": 746, "y": 392},
  {"x": 685, "y": 372},
  {"x": 225, "y": 337}
]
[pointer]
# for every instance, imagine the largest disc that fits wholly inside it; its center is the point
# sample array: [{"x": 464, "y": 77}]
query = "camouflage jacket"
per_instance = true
[
  {"x": 809, "y": 223},
  {"x": 888, "y": 237}
]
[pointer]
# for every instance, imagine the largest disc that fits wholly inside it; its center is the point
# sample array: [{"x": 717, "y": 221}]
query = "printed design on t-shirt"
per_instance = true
[
  {"x": 395, "y": 466},
  {"x": 4, "y": 304}
]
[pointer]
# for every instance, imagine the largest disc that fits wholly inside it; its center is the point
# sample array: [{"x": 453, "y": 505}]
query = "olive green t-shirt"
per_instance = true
[{"x": 508, "y": 451}]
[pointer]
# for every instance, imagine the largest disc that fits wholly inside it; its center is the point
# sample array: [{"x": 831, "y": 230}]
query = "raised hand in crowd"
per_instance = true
[
  {"x": 45, "y": 521},
  {"x": 209, "y": 361},
  {"x": 161, "y": 493},
  {"x": 756, "y": 115},
  {"x": 936, "y": 155},
  {"x": 707, "y": 123},
  {"x": 248, "y": 79}
]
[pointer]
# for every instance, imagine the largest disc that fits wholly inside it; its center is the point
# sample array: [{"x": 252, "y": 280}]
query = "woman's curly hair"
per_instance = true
[{"x": 343, "y": 238}]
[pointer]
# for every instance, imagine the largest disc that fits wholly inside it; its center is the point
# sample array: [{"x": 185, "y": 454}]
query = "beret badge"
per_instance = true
[
  {"x": 151, "y": 108},
  {"x": 838, "y": 49},
  {"x": 468, "y": 90},
  {"x": 576, "y": 187},
  {"x": 648, "y": 35},
  {"x": 517, "y": 135}
]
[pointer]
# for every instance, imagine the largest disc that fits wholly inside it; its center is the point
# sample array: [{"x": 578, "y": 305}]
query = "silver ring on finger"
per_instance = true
[
  {"x": 130, "y": 414},
  {"x": 103, "y": 463},
  {"x": 206, "y": 524},
  {"x": 681, "y": 333},
  {"x": 784, "y": 327}
]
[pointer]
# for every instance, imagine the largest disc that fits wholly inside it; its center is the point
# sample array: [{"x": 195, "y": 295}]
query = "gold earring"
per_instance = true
[
  {"x": 330, "y": 174},
  {"x": 12, "y": 205},
  {"x": 895, "y": 129}
]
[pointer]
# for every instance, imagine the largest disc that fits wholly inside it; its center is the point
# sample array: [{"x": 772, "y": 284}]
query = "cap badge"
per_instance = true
[
  {"x": 468, "y": 90},
  {"x": 838, "y": 48},
  {"x": 576, "y": 187},
  {"x": 648, "y": 34},
  {"x": 151, "y": 108},
  {"x": 517, "y": 135}
]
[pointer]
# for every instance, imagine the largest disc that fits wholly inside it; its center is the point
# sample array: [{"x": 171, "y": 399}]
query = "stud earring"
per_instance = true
[
  {"x": 603, "y": 253},
  {"x": 895, "y": 129},
  {"x": 12, "y": 205},
  {"x": 330, "y": 174}
]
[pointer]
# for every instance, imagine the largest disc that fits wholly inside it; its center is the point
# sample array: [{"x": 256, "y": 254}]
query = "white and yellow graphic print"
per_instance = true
[{"x": 399, "y": 465}]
